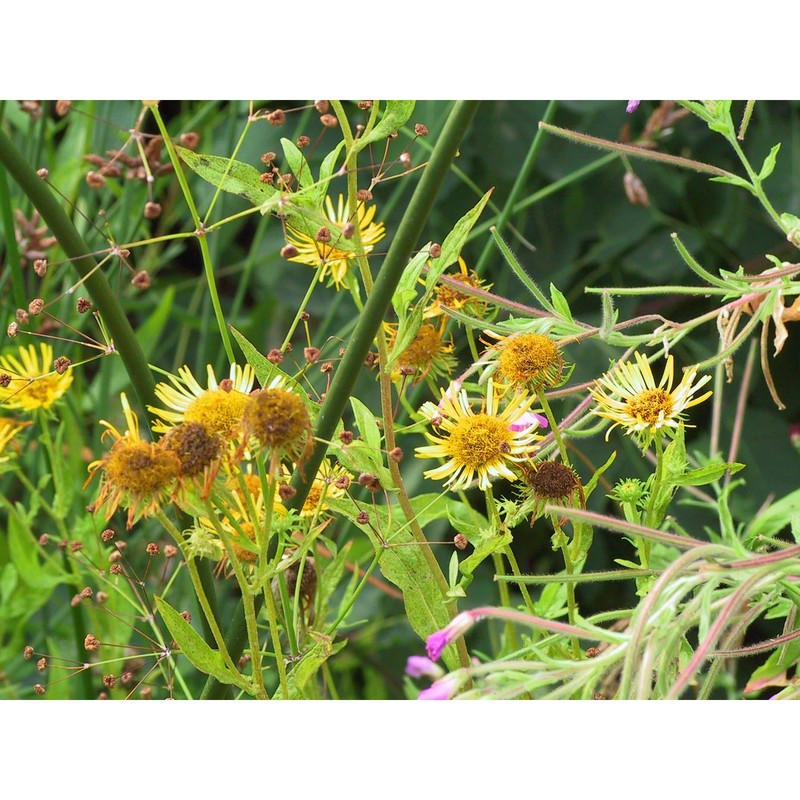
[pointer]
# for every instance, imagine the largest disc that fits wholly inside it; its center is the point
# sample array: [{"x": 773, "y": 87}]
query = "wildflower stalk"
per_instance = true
[
  {"x": 72, "y": 243},
  {"x": 548, "y": 412},
  {"x": 379, "y": 300},
  {"x": 569, "y": 567},
  {"x": 275, "y": 634},
  {"x": 200, "y": 233}
]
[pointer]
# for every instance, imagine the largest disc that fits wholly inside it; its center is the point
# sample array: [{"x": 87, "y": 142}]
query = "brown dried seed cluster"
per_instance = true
[
  {"x": 362, "y": 518},
  {"x": 61, "y": 364},
  {"x": 460, "y": 541},
  {"x": 370, "y": 482},
  {"x": 553, "y": 481},
  {"x": 107, "y": 535},
  {"x": 91, "y": 642},
  {"x": 170, "y": 551},
  {"x": 152, "y": 549},
  {"x": 275, "y": 356},
  {"x": 141, "y": 280},
  {"x": 303, "y": 141},
  {"x": 83, "y": 305}
]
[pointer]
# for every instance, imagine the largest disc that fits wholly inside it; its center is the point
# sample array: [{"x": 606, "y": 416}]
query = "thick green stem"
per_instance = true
[
  {"x": 97, "y": 286},
  {"x": 400, "y": 251}
]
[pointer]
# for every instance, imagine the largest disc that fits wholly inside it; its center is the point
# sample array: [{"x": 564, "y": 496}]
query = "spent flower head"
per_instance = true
[{"x": 526, "y": 361}]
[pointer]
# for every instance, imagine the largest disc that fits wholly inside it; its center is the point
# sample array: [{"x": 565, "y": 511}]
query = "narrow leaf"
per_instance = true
[{"x": 397, "y": 113}]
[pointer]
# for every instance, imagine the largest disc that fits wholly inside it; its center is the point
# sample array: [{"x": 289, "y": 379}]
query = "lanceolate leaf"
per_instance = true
[
  {"x": 235, "y": 177},
  {"x": 397, "y": 113},
  {"x": 194, "y": 647}
]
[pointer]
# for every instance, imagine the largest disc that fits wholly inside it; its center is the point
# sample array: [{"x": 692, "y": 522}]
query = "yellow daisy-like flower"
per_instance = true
[
  {"x": 29, "y": 381},
  {"x": 448, "y": 297},
  {"x": 219, "y": 408},
  {"x": 9, "y": 428},
  {"x": 483, "y": 443},
  {"x": 322, "y": 250},
  {"x": 628, "y": 396},
  {"x": 136, "y": 474},
  {"x": 428, "y": 353},
  {"x": 526, "y": 360},
  {"x": 330, "y": 482}
]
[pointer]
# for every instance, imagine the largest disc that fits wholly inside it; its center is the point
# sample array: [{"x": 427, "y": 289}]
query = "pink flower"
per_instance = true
[
  {"x": 419, "y": 666},
  {"x": 443, "y": 689},
  {"x": 528, "y": 420},
  {"x": 437, "y": 642},
  {"x": 632, "y": 106}
]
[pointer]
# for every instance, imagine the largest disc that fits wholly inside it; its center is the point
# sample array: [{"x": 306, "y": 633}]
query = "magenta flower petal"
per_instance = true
[
  {"x": 632, "y": 106},
  {"x": 528, "y": 420},
  {"x": 419, "y": 666}
]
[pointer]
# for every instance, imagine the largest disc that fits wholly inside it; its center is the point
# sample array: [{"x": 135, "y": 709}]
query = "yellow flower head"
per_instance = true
[
  {"x": 9, "y": 428},
  {"x": 449, "y": 297},
  {"x": 278, "y": 419},
  {"x": 527, "y": 360},
  {"x": 322, "y": 250},
  {"x": 219, "y": 408},
  {"x": 428, "y": 353},
  {"x": 628, "y": 396},
  {"x": 330, "y": 482},
  {"x": 483, "y": 443},
  {"x": 29, "y": 381},
  {"x": 136, "y": 474}
]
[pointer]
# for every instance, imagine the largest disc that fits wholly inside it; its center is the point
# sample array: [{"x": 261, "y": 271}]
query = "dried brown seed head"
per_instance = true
[
  {"x": 267, "y": 177},
  {"x": 303, "y": 141},
  {"x": 348, "y": 230},
  {"x": 396, "y": 454},
  {"x": 365, "y": 105},
  {"x": 27, "y": 653},
  {"x": 276, "y": 117},
  {"x": 326, "y": 367},
  {"x": 41, "y": 664},
  {"x": 22, "y": 316},
  {"x": 420, "y": 129},
  {"x": 44, "y": 539},
  {"x": 286, "y": 492},
  {"x": 43, "y": 172},
  {"x": 322, "y": 106},
  {"x": 287, "y": 179},
  {"x": 152, "y": 210},
  {"x": 109, "y": 681},
  {"x": 101, "y": 597},
  {"x": 76, "y": 546},
  {"x": 61, "y": 364},
  {"x": 190, "y": 140},
  {"x": 460, "y": 541},
  {"x": 269, "y": 157},
  {"x": 324, "y": 235},
  {"x": 363, "y": 195},
  {"x": 288, "y": 251},
  {"x": 86, "y": 592},
  {"x": 36, "y": 306},
  {"x": 362, "y": 518},
  {"x": 405, "y": 159},
  {"x": 311, "y": 354},
  {"x": 592, "y": 652},
  {"x": 275, "y": 356},
  {"x": 152, "y": 549},
  {"x": 40, "y": 267},
  {"x": 187, "y": 616},
  {"x": 370, "y": 482},
  {"x": 115, "y": 569},
  {"x": 39, "y": 689},
  {"x": 342, "y": 482},
  {"x": 83, "y": 305},
  {"x": 346, "y": 437},
  {"x": 170, "y": 551},
  {"x": 12, "y": 330},
  {"x": 94, "y": 180},
  {"x": 435, "y": 250},
  {"x": 91, "y": 642},
  {"x": 141, "y": 280},
  {"x": 329, "y": 121},
  {"x": 107, "y": 535}
]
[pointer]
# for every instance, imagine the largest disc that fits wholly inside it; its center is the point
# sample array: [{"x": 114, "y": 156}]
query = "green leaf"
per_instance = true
[
  {"x": 326, "y": 173},
  {"x": 397, "y": 113},
  {"x": 560, "y": 304},
  {"x": 194, "y": 647},
  {"x": 24, "y": 552},
  {"x": 455, "y": 241},
  {"x": 231, "y": 176},
  {"x": 735, "y": 180},
  {"x": 769, "y": 163},
  {"x": 405, "y": 566},
  {"x": 308, "y": 666},
  {"x": 775, "y": 518},
  {"x": 486, "y": 543},
  {"x": 298, "y": 164},
  {"x": 705, "y": 475}
]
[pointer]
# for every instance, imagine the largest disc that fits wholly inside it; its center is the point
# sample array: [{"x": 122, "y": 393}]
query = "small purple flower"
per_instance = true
[
  {"x": 437, "y": 642},
  {"x": 443, "y": 689},
  {"x": 632, "y": 106},
  {"x": 419, "y": 666},
  {"x": 528, "y": 419}
]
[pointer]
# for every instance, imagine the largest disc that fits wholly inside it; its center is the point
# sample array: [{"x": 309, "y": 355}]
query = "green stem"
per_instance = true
[
  {"x": 572, "y": 605},
  {"x": 554, "y": 427},
  {"x": 272, "y": 616},
  {"x": 72, "y": 243},
  {"x": 200, "y": 232},
  {"x": 400, "y": 251}
]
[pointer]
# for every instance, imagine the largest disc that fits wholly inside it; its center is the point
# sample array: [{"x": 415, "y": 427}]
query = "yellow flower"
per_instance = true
[
  {"x": 428, "y": 353},
  {"x": 448, "y": 297},
  {"x": 136, "y": 474},
  {"x": 278, "y": 419},
  {"x": 526, "y": 360},
  {"x": 317, "y": 252},
  {"x": 628, "y": 396},
  {"x": 30, "y": 382},
  {"x": 8, "y": 430},
  {"x": 330, "y": 482},
  {"x": 219, "y": 408},
  {"x": 483, "y": 443}
]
